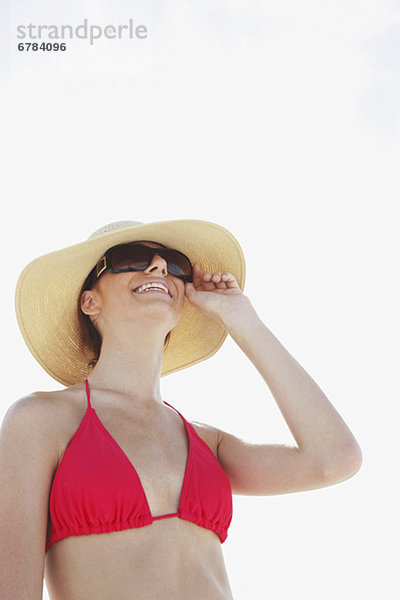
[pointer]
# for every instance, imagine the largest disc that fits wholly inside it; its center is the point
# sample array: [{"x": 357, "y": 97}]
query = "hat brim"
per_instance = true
[{"x": 48, "y": 288}]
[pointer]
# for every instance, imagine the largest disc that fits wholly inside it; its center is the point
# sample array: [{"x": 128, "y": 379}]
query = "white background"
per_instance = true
[{"x": 279, "y": 121}]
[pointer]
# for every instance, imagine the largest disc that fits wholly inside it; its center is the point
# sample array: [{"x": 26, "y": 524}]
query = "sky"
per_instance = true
[{"x": 279, "y": 121}]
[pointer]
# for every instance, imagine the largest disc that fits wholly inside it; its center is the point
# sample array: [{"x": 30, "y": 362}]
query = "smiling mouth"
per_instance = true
[
  {"x": 151, "y": 292},
  {"x": 152, "y": 286}
]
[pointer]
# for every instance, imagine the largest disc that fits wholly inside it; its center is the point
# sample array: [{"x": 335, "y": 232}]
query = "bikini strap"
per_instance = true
[
  {"x": 88, "y": 393},
  {"x": 182, "y": 417}
]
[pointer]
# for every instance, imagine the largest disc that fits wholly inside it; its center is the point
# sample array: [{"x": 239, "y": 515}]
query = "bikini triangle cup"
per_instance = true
[{"x": 96, "y": 488}]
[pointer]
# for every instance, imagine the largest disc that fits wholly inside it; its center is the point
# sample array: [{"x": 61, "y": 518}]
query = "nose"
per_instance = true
[{"x": 158, "y": 263}]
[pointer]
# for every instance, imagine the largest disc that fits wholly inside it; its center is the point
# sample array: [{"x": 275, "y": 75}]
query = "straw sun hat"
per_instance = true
[{"x": 48, "y": 288}]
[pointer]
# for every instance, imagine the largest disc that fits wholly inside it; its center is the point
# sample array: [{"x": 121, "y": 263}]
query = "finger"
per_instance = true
[
  {"x": 207, "y": 282},
  {"x": 218, "y": 280},
  {"x": 197, "y": 278},
  {"x": 202, "y": 281},
  {"x": 230, "y": 280}
]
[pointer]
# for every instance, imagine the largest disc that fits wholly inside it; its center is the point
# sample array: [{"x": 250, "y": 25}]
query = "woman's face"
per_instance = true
[{"x": 114, "y": 295}]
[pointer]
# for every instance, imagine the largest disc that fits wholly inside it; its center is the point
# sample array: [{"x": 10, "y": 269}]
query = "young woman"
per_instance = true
[{"x": 106, "y": 490}]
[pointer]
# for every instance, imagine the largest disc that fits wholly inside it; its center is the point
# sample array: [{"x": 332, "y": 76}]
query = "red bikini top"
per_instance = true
[{"x": 96, "y": 488}]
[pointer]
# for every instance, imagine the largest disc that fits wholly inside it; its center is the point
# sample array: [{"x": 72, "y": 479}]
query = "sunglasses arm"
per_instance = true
[{"x": 101, "y": 266}]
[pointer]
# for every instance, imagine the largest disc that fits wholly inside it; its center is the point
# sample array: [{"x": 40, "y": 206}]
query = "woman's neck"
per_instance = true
[{"x": 131, "y": 364}]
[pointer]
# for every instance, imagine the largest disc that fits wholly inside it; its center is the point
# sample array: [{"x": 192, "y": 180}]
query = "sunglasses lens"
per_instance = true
[
  {"x": 130, "y": 257},
  {"x": 137, "y": 257},
  {"x": 177, "y": 264}
]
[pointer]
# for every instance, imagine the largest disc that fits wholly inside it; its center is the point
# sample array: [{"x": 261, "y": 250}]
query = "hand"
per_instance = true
[{"x": 215, "y": 294}]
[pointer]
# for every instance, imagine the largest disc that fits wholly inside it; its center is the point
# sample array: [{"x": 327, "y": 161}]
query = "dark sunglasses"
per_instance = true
[{"x": 137, "y": 257}]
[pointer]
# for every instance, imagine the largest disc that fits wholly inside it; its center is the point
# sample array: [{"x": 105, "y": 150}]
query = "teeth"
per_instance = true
[{"x": 148, "y": 286}]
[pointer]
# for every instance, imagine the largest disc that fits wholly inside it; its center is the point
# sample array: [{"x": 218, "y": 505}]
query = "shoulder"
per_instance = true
[
  {"x": 28, "y": 440},
  {"x": 34, "y": 408},
  {"x": 41, "y": 415},
  {"x": 38, "y": 405}
]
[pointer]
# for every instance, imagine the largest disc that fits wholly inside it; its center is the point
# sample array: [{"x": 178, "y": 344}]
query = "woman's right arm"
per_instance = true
[{"x": 27, "y": 464}]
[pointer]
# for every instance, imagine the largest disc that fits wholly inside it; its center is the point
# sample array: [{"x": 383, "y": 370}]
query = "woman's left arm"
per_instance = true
[{"x": 326, "y": 451}]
